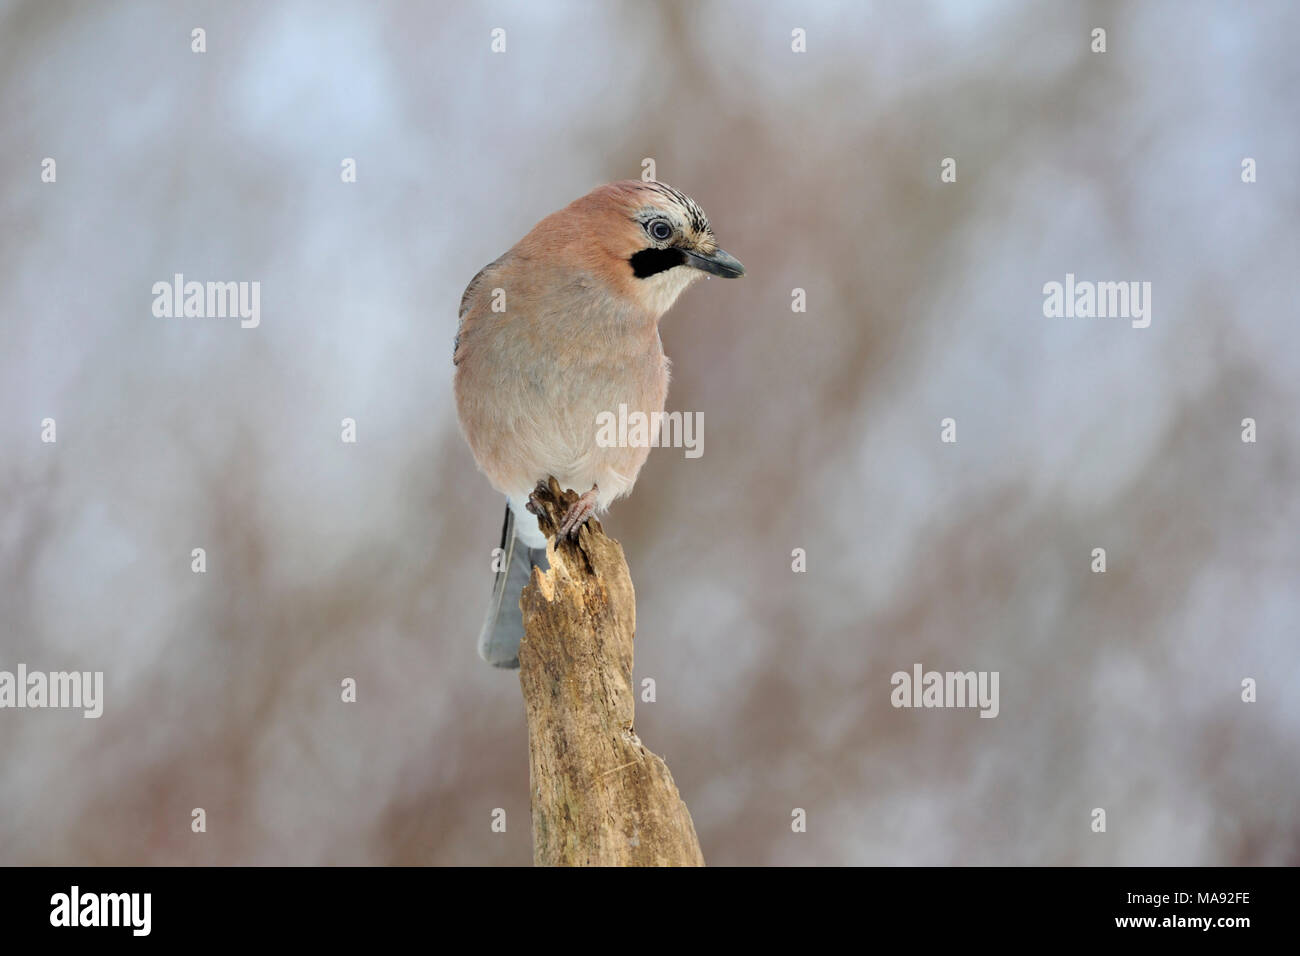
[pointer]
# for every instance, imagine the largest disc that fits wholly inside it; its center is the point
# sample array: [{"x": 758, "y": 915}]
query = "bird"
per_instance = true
[{"x": 560, "y": 329}]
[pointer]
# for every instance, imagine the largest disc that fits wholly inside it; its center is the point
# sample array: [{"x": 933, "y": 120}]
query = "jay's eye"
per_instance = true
[{"x": 659, "y": 229}]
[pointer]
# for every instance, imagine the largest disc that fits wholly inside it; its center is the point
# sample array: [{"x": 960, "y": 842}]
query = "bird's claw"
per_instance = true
[
  {"x": 533, "y": 506},
  {"x": 577, "y": 515}
]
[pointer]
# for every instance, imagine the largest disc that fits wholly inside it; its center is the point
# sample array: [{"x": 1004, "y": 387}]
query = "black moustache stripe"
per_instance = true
[{"x": 649, "y": 262}]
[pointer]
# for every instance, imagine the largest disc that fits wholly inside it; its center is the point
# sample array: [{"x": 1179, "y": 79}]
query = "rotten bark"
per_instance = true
[{"x": 599, "y": 797}]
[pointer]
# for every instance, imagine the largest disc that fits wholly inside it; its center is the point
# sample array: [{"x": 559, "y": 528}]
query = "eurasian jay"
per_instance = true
[{"x": 562, "y": 328}]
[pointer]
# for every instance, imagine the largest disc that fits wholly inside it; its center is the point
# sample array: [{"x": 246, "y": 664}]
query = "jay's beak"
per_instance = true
[{"x": 718, "y": 263}]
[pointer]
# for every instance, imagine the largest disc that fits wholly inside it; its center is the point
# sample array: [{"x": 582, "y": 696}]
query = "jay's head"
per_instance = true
[{"x": 643, "y": 240}]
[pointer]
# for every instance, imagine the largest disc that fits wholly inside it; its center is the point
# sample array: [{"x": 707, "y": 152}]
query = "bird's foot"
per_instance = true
[
  {"x": 578, "y": 513},
  {"x": 533, "y": 506}
]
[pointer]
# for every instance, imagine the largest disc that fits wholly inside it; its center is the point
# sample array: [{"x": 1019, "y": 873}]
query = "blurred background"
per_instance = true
[{"x": 820, "y": 170}]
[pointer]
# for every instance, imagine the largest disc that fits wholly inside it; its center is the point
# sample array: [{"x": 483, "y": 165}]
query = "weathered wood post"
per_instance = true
[{"x": 599, "y": 797}]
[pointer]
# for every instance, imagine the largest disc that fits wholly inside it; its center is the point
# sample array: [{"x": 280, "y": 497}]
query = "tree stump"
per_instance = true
[{"x": 599, "y": 797}]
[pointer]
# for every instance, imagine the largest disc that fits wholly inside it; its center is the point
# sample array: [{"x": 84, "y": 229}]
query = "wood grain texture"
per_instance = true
[{"x": 599, "y": 797}]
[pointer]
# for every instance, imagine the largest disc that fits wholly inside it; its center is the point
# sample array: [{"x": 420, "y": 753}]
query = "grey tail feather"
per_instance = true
[{"x": 503, "y": 627}]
